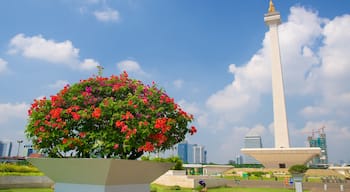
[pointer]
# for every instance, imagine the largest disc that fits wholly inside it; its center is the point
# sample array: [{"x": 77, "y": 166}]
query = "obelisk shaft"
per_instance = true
[{"x": 272, "y": 19}]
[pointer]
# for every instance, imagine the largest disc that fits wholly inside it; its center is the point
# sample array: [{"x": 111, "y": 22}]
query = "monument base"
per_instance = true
[{"x": 282, "y": 157}]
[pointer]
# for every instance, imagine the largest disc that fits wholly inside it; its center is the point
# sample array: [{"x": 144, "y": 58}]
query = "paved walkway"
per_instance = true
[{"x": 313, "y": 187}]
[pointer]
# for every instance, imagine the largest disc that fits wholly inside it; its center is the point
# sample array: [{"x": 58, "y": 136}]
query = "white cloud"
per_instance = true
[
  {"x": 89, "y": 64},
  {"x": 256, "y": 131},
  {"x": 314, "y": 111},
  {"x": 3, "y": 65},
  {"x": 242, "y": 96},
  {"x": 37, "y": 47},
  {"x": 107, "y": 15},
  {"x": 178, "y": 83},
  {"x": 59, "y": 84},
  {"x": 131, "y": 66},
  {"x": 9, "y": 111}
]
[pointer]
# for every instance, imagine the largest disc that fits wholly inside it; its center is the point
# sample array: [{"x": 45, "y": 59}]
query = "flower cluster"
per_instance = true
[{"x": 114, "y": 117}]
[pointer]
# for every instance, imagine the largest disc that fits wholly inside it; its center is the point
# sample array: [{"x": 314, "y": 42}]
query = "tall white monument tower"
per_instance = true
[
  {"x": 273, "y": 19},
  {"x": 282, "y": 155}
]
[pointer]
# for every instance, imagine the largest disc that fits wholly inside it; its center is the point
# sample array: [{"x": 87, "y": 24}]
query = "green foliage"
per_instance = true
[
  {"x": 115, "y": 117},
  {"x": 12, "y": 169},
  {"x": 248, "y": 165},
  {"x": 296, "y": 169},
  {"x": 178, "y": 162},
  {"x": 258, "y": 173}
]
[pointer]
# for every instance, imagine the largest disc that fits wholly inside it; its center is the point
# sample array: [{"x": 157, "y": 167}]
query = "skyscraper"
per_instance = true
[
  {"x": 199, "y": 154},
  {"x": 182, "y": 151},
  {"x": 5, "y": 148},
  {"x": 321, "y": 142},
  {"x": 191, "y": 153},
  {"x": 253, "y": 141}
]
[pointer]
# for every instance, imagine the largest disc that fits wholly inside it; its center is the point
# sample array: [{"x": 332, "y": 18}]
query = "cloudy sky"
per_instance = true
[{"x": 211, "y": 56}]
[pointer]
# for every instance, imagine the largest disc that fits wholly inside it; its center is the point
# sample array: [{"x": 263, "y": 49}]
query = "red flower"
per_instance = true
[
  {"x": 147, "y": 147},
  {"x": 97, "y": 113},
  {"x": 75, "y": 116},
  {"x": 128, "y": 115},
  {"x": 55, "y": 113},
  {"x": 82, "y": 134},
  {"x": 193, "y": 130},
  {"x": 124, "y": 128},
  {"x": 116, "y": 146},
  {"x": 42, "y": 129},
  {"x": 119, "y": 124}
]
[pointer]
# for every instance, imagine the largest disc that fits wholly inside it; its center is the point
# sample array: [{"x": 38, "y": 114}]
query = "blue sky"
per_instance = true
[{"x": 211, "y": 56}]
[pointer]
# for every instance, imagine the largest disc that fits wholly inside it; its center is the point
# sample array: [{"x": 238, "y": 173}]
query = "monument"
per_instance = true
[{"x": 282, "y": 155}]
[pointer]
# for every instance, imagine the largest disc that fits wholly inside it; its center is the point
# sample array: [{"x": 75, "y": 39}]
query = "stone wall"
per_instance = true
[{"x": 25, "y": 182}]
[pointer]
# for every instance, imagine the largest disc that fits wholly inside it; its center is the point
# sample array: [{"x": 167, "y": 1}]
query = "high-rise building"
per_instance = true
[
  {"x": 252, "y": 141},
  {"x": 191, "y": 153},
  {"x": 5, "y": 148},
  {"x": 199, "y": 154},
  {"x": 319, "y": 141},
  {"x": 239, "y": 159},
  {"x": 182, "y": 151}
]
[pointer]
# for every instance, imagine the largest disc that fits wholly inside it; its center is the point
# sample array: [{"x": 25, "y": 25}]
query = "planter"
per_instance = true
[{"x": 100, "y": 175}]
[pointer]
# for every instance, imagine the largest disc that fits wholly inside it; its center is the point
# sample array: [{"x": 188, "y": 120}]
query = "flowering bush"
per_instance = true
[{"x": 115, "y": 117}]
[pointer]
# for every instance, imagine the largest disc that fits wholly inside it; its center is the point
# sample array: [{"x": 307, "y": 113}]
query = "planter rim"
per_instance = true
[{"x": 100, "y": 171}]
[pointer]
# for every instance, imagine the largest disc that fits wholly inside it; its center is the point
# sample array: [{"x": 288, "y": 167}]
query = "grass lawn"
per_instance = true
[
  {"x": 169, "y": 189},
  {"x": 163, "y": 189}
]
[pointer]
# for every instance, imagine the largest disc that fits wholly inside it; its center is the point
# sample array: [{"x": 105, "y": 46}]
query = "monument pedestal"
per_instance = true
[
  {"x": 100, "y": 175},
  {"x": 282, "y": 157}
]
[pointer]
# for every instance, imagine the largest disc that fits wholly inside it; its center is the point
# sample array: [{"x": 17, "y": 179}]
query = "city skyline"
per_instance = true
[{"x": 211, "y": 57}]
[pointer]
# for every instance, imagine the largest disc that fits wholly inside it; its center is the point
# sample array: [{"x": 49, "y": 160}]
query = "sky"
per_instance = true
[{"x": 211, "y": 56}]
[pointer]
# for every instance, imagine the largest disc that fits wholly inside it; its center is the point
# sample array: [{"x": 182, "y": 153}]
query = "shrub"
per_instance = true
[
  {"x": 297, "y": 169},
  {"x": 115, "y": 117}
]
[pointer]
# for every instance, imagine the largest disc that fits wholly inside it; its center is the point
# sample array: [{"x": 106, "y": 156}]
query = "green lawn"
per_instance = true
[
  {"x": 171, "y": 189},
  {"x": 162, "y": 189}
]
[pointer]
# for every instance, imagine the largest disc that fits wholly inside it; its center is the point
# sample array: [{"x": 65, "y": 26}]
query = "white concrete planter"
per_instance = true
[{"x": 100, "y": 175}]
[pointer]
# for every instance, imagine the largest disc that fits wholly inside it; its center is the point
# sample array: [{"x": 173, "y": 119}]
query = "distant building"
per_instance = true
[
  {"x": 321, "y": 142},
  {"x": 28, "y": 150},
  {"x": 191, "y": 153},
  {"x": 5, "y": 148},
  {"x": 252, "y": 141},
  {"x": 182, "y": 151},
  {"x": 239, "y": 159},
  {"x": 198, "y": 154}
]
